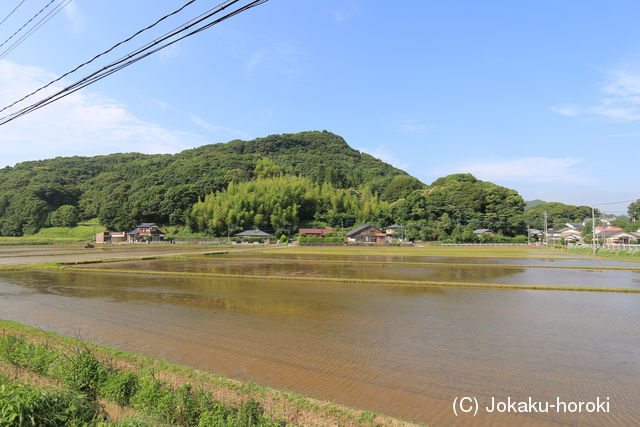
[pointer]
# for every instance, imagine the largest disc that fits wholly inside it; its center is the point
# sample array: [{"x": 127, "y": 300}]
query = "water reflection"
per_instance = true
[{"x": 398, "y": 350}]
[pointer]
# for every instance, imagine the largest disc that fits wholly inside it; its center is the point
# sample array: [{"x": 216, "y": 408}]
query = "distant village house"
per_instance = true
[
  {"x": 145, "y": 232},
  {"x": 255, "y": 234},
  {"x": 484, "y": 232},
  {"x": 315, "y": 232},
  {"x": 365, "y": 234},
  {"x": 395, "y": 233}
]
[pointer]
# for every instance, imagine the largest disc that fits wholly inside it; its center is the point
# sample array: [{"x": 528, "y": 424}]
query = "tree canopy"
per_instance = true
[{"x": 122, "y": 189}]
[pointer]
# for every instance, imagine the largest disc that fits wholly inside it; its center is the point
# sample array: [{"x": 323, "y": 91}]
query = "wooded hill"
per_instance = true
[
  {"x": 122, "y": 189},
  {"x": 276, "y": 183}
]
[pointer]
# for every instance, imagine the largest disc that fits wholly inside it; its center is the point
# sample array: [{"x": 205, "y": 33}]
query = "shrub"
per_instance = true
[
  {"x": 119, "y": 386},
  {"x": 21, "y": 405},
  {"x": 23, "y": 354},
  {"x": 84, "y": 373}
]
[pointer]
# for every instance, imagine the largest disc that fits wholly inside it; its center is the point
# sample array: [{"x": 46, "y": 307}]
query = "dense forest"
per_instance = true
[
  {"x": 455, "y": 205},
  {"x": 122, "y": 189},
  {"x": 276, "y": 183}
]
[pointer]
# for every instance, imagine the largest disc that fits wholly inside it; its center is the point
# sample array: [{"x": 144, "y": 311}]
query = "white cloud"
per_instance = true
[
  {"x": 539, "y": 170},
  {"x": 83, "y": 123},
  {"x": 568, "y": 110},
  {"x": 220, "y": 132},
  {"x": 413, "y": 126},
  {"x": 619, "y": 100}
]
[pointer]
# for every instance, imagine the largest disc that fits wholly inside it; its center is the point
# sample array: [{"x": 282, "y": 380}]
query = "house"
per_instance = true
[
  {"x": 118, "y": 237},
  {"x": 145, "y": 232},
  {"x": 575, "y": 225},
  {"x": 601, "y": 229},
  {"x": 484, "y": 232},
  {"x": 613, "y": 237},
  {"x": 315, "y": 232},
  {"x": 534, "y": 232},
  {"x": 608, "y": 219},
  {"x": 111, "y": 237},
  {"x": 255, "y": 234},
  {"x": 394, "y": 229},
  {"x": 366, "y": 233},
  {"x": 570, "y": 235},
  {"x": 395, "y": 232}
]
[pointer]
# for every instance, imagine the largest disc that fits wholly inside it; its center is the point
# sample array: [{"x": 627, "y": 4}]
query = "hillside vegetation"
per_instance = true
[
  {"x": 275, "y": 183},
  {"x": 122, "y": 189}
]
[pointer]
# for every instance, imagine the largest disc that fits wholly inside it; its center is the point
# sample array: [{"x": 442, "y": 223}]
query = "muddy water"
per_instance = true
[
  {"x": 403, "y": 351},
  {"x": 444, "y": 272}
]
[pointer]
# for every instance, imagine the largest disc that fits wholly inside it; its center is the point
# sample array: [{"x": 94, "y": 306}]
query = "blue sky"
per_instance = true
[{"x": 543, "y": 97}]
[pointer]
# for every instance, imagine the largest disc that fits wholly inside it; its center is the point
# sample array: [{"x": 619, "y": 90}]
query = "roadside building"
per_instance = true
[
  {"x": 605, "y": 229},
  {"x": 118, "y": 237},
  {"x": 315, "y": 232},
  {"x": 255, "y": 234},
  {"x": 145, "y": 232},
  {"x": 111, "y": 237},
  {"x": 366, "y": 233},
  {"x": 613, "y": 237},
  {"x": 103, "y": 237},
  {"x": 570, "y": 235}
]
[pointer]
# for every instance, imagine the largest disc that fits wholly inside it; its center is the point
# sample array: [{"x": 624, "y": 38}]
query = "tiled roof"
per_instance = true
[{"x": 360, "y": 229}]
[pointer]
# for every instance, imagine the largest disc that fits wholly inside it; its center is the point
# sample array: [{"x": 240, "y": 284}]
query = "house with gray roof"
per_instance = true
[{"x": 366, "y": 233}]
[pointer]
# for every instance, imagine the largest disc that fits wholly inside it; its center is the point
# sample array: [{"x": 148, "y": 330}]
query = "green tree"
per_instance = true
[
  {"x": 634, "y": 211},
  {"x": 64, "y": 216}
]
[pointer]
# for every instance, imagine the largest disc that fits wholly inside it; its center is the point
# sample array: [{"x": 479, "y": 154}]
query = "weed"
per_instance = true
[{"x": 22, "y": 405}]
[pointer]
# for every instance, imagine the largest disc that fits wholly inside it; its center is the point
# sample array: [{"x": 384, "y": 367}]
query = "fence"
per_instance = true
[
  {"x": 617, "y": 246},
  {"x": 484, "y": 244}
]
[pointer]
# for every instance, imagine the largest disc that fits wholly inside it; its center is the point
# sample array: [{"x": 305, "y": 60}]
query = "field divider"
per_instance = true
[
  {"x": 425, "y": 283},
  {"x": 431, "y": 264}
]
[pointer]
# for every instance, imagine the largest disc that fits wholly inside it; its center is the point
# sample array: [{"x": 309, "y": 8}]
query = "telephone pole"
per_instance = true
[
  {"x": 546, "y": 229},
  {"x": 593, "y": 228}
]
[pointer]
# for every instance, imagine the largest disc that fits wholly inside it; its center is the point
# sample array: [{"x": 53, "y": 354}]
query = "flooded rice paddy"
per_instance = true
[{"x": 405, "y": 351}]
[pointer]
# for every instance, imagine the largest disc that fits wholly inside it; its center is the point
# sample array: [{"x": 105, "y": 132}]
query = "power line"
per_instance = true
[
  {"x": 35, "y": 28},
  {"x": 616, "y": 203},
  {"x": 11, "y": 13},
  {"x": 135, "y": 56},
  {"x": 104, "y": 52},
  {"x": 28, "y": 22}
]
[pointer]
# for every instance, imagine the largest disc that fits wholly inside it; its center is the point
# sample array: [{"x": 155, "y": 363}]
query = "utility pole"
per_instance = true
[
  {"x": 546, "y": 229},
  {"x": 593, "y": 228}
]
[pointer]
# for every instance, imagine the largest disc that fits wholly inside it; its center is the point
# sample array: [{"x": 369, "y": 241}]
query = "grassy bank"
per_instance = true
[
  {"x": 48, "y": 379},
  {"x": 85, "y": 231},
  {"x": 617, "y": 254}
]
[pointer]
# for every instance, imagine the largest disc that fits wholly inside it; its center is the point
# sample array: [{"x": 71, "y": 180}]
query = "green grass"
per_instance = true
[
  {"x": 116, "y": 388},
  {"x": 87, "y": 379},
  {"x": 84, "y": 231},
  {"x": 26, "y": 405},
  {"x": 617, "y": 254}
]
